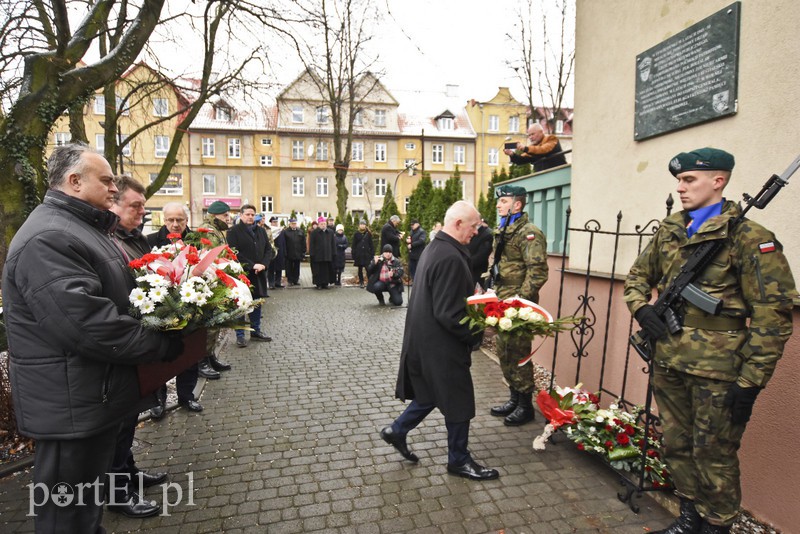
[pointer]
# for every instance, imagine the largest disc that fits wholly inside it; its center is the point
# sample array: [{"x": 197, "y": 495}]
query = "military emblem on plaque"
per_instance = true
[
  {"x": 644, "y": 68},
  {"x": 720, "y": 100}
]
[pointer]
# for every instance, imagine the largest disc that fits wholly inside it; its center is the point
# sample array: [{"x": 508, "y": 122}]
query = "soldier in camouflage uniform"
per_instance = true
[
  {"x": 521, "y": 260},
  {"x": 217, "y": 220},
  {"x": 706, "y": 377}
]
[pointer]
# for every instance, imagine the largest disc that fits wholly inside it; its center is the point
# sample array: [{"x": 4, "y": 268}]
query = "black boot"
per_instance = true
[
  {"x": 218, "y": 364},
  {"x": 523, "y": 413},
  {"x": 205, "y": 370},
  {"x": 708, "y": 528},
  {"x": 507, "y": 407},
  {"x": 689, "y": 522}
]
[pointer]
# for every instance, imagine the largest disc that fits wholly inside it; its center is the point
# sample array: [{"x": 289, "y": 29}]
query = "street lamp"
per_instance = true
[{"x": 411, "y": 165}]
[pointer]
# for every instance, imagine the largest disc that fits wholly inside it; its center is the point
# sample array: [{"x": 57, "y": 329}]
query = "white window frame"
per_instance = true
[
  {"x": 493, "y": 157},
  {"x": 494, "y": 123},
  {"x": 267, "y": 204},
  {"x": 357, "y": 151},
  {"x": 409, "y": 164},
  {"x": 266, "y": 160},
  {"x": 297, "y": 114},
  {"x": 223, "y": 113},
  {"x": 266, "y": 141},
  {"x": 410, "y": 146},
  {"x": 358, "y": 118},
  {"x": 322, "y": 186},
  {"x": 234, "y": 148},
  {"x": 380, "y": 152},
  {"x": 322, "y": 151},
  {"x": 209, "y": 147},
  {"x": 459, "y": 154},
  {"x": 62, "y": 138},
  {"x": 168, "y": 190},
  {"x": 160, "y": 107},
  {"x": 298, "y": 150},
  {"x": 210, "y": 180},
  {"x": 380, "y": 118},
  {"x": 559, "y": 126},
  {"x": 322, "y": 115},
  {"x": 126, "y": 150},
  {"x": 123, "y": 108},
  {"x": 161, "y": 143},
  {"x": 99, "y": 105},
  {"x": 298, "y": 186},
  {"x": 446, "y": 123},
  {"x": 100, "y": 142},
  {"x": 513, "y": 124},
  {"x": 235, "y": 185},
  {"x": 380, "y": 187},
  {"x": 357, "y": 187},
  {"x": 437, "y": 153},
  {"x": 438, "y": 184}
]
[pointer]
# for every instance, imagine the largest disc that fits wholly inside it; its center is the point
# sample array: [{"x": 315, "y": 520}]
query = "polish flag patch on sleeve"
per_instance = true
[
  {"x": 769, "y": 246},
  {"x": 530, "y": 237}
]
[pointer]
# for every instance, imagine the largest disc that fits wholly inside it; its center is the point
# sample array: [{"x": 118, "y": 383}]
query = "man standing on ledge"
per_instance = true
[
  {"x": 437, "y": 348},
  {"x": 707, "y": 376},
  {"x": 520, "y": 255},
  {"x": 542, "y": 151}
]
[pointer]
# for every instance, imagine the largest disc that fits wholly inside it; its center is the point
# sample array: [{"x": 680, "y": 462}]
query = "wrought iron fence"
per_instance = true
[{"x": 589, "y": 344}]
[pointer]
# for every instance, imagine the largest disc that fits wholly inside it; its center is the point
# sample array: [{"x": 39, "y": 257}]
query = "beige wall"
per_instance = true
[{"x": 612, "y": 172}]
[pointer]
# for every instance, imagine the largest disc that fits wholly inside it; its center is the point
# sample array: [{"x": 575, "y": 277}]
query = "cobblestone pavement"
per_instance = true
[{"x": 288, "y": 442}]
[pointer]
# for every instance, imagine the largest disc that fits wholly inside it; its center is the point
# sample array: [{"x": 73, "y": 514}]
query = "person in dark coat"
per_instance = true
[
  {"x": 416, "y": 244},
  {"x": 295, "y": 242},
  {"x": 390, "y": 235},
  {"x": 275, "y": 269},
  {"x": 436, "y": 356},
  {"x": 363, "y": 250},
  {"x": 322, "y": 248},
  {"x": 480, "y": 248},
  {"x": 254, "y": 252},
  {"x": 341, "y": 247},
  {"x": 386, "y": 275}
]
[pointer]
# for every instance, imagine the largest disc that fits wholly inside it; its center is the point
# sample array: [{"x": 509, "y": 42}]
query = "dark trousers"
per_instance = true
[
  {"x": 123, "y": 466},
  {"x": 255, "y": 322},
  {"x": 395, "y": 292},
  {"x": 362, "y": 274},
  {"x": 293, "y": 271},
  {"x": 274, "y": 275},
  {"x": 457, "y": 433},
  {"x": 412, "y": 268},
  {"x": 184, "y": 385},
  {"x": 75, "y": 461}
]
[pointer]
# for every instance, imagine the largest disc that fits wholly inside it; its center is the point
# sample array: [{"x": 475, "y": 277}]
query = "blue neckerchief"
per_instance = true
[
  {"x": 700, "y": 216},
  {"x": 510, "y": 219}
]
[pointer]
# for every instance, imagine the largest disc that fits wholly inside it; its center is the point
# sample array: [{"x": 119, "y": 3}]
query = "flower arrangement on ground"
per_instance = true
[
  {"x": 514, "y": 316},
  {"x": 612, "y": 432},
  {"x": 183, "y": 286}
]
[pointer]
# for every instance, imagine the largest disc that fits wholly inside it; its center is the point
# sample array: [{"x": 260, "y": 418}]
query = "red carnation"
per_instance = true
[
  {"x": 581, "y": 447},
  {"x": 205, "y": 241},
  {"x": 244, "y": 279},
  {"x": 630, "y": 430},
  {"x": 227, "y": 280},
  {"x": 192, "y": 259},
  {"x": 173, "y": 235},
  {"x": 623, "y": 439},
  {"x": 147, "y": 258},
  {"x": 594, "y": 399},
  {"x": 136, "y": 264},
  {"x": 609, "y": 444},
  {"x": 204, "y": 230}
]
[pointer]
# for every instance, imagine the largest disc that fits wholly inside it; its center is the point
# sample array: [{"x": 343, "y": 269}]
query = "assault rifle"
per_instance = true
[{"x": 682, "y": 286}]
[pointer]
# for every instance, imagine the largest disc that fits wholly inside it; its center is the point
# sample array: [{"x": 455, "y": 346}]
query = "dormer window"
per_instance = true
[
  {"x": 446, "y": 123},
  {"x": 223, "y": 113}
]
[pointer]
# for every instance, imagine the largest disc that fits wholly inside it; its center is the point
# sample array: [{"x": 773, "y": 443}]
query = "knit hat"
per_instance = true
[
  {"x": 388, "y": 248},
  {"x": 339, "y": 227}
]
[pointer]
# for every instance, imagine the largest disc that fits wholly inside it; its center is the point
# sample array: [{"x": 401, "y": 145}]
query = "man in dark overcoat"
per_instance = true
[
  {"x": 480, "y": 248},
  {"x": 322, "y": 248},
  {"x": 295, "y": 251},
  {"x": 254, "y": 252},
  {"x": 436, "y": 356}
]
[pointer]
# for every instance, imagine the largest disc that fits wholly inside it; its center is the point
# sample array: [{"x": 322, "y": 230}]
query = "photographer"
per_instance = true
[
  {"x": 385, "y": 273},
  {"x": 542, "y": 151}
]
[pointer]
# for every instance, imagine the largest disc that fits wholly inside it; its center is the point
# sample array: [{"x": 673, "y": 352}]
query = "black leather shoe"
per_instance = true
[
  {"x": 157, "y": 412},
  {"x": 398, "y": 442},
  {"x": 205, "y": 370},
  {"x": 192, "y": 405},
  {"x": 473, "y": 471},
  {"x": 218, "y": 364},
  {"x": 135, "y": 507},
  {"x": 149, "y": 480},
  {"x": 260, "y": 336}
]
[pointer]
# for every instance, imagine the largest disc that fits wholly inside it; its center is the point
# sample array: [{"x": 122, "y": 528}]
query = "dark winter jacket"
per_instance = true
[
  {"x": 390, "y": 235},
  {"x": 363, "y": 248},
  {"x": 436, "y": 356},
  {"x": 374, "y": 273},
  {"x": 295, "y": 243},
  {"x": 480, "y": 248},
  {"x": 252, "y": 246},
  {"x": 341, "y": 247},
  {"x": 73, "y": 347},
  {"x": 418, "y": 239},
  {"x": 279, "y": 259},
  {"x": 322, "y": 245},
  {"x": 159, "y": 239}
]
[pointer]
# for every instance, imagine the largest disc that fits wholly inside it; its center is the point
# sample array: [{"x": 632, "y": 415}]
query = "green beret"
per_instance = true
[
  {"x": 702, "y": 159},
  {"x": 218, "y": 208},
  {"x": 510, "y": 191}
]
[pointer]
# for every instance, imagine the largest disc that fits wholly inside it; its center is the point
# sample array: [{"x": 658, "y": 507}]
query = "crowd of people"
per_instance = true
[{"x": 66, "y": 286}]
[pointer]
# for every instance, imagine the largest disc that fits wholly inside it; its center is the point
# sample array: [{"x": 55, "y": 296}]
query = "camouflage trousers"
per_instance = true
[
  {"x": 700, "y": 442},
  {"x": 510, "y": 350}
]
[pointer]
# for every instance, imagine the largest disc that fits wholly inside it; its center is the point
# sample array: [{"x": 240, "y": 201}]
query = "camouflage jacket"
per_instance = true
[
  {"x": 523, "y": 264},
  {"x": 750, "y": 275}
]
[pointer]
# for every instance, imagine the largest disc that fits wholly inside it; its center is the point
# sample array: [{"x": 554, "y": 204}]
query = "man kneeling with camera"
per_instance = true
[{"x": 385, "y": 273}]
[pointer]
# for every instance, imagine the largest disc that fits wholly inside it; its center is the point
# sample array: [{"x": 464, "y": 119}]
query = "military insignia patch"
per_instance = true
[
  {"x": 769, "y": 246},
  {"x": 530, "y": 237}
]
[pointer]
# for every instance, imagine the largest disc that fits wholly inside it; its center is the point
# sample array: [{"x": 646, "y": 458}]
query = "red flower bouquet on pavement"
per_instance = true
[
  {"x": 514, "y": 316},
  {"x": 613, "y": 433},
  {"x": 186, "y": 287}
]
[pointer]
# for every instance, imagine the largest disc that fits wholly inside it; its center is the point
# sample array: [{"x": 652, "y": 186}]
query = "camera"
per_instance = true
[{"x": 510, "y": 146}]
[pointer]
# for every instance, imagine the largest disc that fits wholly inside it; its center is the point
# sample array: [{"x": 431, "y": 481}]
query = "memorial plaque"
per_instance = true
[{"x": 689, "y": 78}]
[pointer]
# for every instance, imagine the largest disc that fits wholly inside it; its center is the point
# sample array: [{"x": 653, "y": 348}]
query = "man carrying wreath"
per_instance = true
[{"x": 520, "y": 258}]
